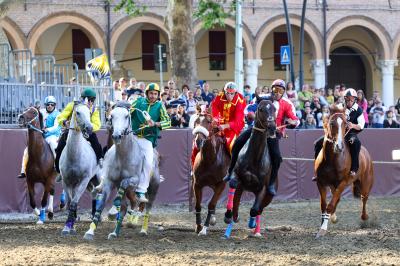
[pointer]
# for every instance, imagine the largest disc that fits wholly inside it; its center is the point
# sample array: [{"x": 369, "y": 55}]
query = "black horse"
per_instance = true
[{"x": 253, "y": 169}]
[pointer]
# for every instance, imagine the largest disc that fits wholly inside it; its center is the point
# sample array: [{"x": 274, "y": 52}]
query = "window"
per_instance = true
[
  {"x": 217, "y": 50},
  {"x": 280, "y": 39},
  {"x": 149, "y": 39},
  {"x": 80, "y": 42}
]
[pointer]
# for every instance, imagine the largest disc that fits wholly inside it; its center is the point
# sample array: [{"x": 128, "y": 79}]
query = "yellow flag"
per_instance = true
[{"x": 99, "y": 63}]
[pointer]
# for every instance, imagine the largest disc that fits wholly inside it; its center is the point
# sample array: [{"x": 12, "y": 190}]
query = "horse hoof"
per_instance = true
[
  {"x": 88, "y": 236},
  {"x": 72, "y": 232},
  {"x": 334, "y": 218},
  {"x": 62, "y": 206},
  {"x": 236, "y": 220},
  {"x": 199, "y": 227},
  {"x": 50, "y": 215},
  {"x": 112, "y": 235},
  {"x": 364, "y": 217},
  {"x": 36, "y": 211},
  {"x": 160, "y": 228},
  {"x": 203, "y": 231},
  {"x": 213, "y": 220},
  {"x": 227, "y": 220},
  {"x": 321, "y": 233},
  {"x": 143, "y": 232},
  {"x": 40, "y": 222},
  {"x": 65, "y": 231},
  {"x": 112, "y": 217},
  {"x": 256, "y": 235}
]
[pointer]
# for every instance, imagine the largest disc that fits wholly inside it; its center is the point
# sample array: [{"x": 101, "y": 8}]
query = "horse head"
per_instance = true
[
  {"x": 335, "y": 127},
  {"x": 80, "y": 120},
  {"x": 31, "y": 118},
  {"x": 203, "y": 128},
  {"x": 265, "y": 117},
  {"x": 119, "y": 121}
]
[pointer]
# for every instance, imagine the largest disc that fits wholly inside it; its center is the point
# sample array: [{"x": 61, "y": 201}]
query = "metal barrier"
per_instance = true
[
  {"x": 5, "y": 50},
  {"x": 21, "y": 66},
  {"x": 63, "y": 73},
  {"x": 16, "y": 97},
  {"x": 43, "y": 69}
]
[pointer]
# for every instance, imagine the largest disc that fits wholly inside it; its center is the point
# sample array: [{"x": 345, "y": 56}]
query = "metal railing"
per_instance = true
[{"x": 16, "y": 97}]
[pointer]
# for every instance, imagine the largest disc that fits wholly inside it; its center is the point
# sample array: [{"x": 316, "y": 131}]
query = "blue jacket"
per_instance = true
[{"x": 50, "y": 123}]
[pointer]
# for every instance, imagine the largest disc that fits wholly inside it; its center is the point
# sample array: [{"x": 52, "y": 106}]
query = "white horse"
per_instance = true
[
  {"x": 78, "y": 163},
  {"x": 123, "y": 163}
]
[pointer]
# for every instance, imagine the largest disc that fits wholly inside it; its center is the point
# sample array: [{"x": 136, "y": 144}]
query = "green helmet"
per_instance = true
[{"x": 88, "y": 92}]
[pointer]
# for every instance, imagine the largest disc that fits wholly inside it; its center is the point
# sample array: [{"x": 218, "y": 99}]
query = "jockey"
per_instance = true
[
  {"x": 51, "y": 130},
  {"x": 147, "y": 126},
  {"x": 285, "y": 112},
  {"x": 228, "y": 110},
  {"x": 64, "y": 118},
  {"x": 355, "y": 124}
]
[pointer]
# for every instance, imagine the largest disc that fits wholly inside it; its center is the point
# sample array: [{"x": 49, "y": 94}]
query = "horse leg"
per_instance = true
[
  {"x": 365, "y": 189},
  {"x": 324, "y": 216},
  {"x": 234, "y": 212},
  {"x": 50, "y": 188},
  {"x": 62, "y": 200},
  {"x": 31, "y": 192},
  {"x": 229, "y": 206},
  {"x": 256, "y": 208},
  {"x": 265, "y": 202},
  {"x": 42, "y": 215},
  {"x": 74, "y": 196},
  {"x": 211, "y": 208},
  {"x": 120, "y": 216},
  {"x": 198, "y": 193},
  {"x": 101, "y": 202},
  {"x": 152, "y": 193},
  {"x": 133, "y": 216}
]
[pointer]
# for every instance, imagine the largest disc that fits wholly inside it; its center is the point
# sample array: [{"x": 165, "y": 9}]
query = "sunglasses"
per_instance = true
[
  {"x": 50, "y": 104},
  {"x": 278, "y": 89},
  {"x": 230, "y": 93}
]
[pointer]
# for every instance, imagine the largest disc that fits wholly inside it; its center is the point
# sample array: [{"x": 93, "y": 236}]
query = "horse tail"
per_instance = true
[{"x": 357, "y": 189}]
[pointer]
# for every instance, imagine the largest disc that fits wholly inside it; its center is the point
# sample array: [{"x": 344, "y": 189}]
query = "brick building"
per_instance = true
[{"x": 363, "y": 40}]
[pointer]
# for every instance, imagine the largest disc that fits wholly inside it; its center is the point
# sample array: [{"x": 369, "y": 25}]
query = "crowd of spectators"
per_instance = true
[{"x": 312, "y": 104}]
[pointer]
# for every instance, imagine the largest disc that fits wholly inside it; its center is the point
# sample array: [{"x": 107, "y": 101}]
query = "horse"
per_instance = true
[
  {"x": 209, "y": 168},
  {"x": 78, "y": 163},
  {"x": 332, "y": 168},
  {"x": 122, "y": 164},
  {"x": 253, "y": 170},
  {"x": 40, "y": 166}
]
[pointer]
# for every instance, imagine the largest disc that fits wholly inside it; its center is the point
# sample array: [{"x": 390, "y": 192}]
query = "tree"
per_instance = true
[{"x": 179, "y": 22}]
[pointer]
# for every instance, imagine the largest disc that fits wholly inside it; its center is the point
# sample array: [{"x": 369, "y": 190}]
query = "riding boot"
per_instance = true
[
  {"x": 96, "y": 147},
  {"x": 60, "y": 147},
  {"x": 276, "y": 159},
  {"x": 317, "y": 148},
  {"x": 355, "y": 147},
  {"x": 237, "y": 146}
]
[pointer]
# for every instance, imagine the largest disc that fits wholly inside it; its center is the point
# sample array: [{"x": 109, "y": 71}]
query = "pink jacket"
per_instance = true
[{"x": 364, "y": 106}]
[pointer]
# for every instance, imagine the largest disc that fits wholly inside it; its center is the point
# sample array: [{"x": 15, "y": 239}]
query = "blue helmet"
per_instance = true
[{"x": 50, "y": 99}]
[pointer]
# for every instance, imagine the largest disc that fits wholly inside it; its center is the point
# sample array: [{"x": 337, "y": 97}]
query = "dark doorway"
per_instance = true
[
  {"x": 348, "y": 68},
  {"x": 79, "y": 42}
]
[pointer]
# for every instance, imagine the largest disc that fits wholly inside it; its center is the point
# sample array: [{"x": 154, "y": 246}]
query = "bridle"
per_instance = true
[
  {"x": 77, "y": 127},
  {"x": 29, "y": 124},
  {"x": 328, "y": 136},
  {"x": 127, "y": 130},
  {"x": 262, "y": 128}
]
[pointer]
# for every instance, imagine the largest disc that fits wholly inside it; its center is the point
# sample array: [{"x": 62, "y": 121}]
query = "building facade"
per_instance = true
[{"x": 362, "y": 40}]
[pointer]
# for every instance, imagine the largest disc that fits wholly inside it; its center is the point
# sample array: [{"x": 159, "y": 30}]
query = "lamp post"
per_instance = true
[{"x": 290, "y": 40}]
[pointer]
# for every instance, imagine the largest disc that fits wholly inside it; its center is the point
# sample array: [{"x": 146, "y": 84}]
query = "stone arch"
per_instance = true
[
  {"x": 396, "y": 46},
  {"x": 17, "y": 37},
  {"x": 127, "y": 22},
  {"x": 274, "y": 22},
  {"x": 66, "y": 17},
  {"x": 247, "y": 37},
  {"x": 382, "y": 36}
]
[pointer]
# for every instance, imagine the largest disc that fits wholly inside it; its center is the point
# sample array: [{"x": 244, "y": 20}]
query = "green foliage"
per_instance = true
[
  {"x": 213, "y": 13},
  {"x": 130, "y": 7}
]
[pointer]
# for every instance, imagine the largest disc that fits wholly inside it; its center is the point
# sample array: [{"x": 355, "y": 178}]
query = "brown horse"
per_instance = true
[
  {"x": 332, "y": 168},
  {"x": 209, "y": 168},
  {"x": 40, "y": 167},
  {"x": 253, "y": 169}
]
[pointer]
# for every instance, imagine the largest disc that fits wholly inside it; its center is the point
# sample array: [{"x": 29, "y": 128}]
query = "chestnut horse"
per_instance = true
[
  {"x": 40, "y": 166},
  {"x": 332, "y": 168},
  {"x": 209, "y": 168},
  {"x": 253, "y": 169}
]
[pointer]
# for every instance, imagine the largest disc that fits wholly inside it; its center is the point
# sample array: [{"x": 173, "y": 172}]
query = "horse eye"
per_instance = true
[
  {"x": 126, "y": 116},
  {"x": 78, "y": 113}
]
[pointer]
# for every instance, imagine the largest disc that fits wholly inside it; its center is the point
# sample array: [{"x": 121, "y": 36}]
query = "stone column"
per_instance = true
[
  {"x": 387, "y": 69},
  {"x": 319, "y": 72},
  {"x": 251, "y": 71}
]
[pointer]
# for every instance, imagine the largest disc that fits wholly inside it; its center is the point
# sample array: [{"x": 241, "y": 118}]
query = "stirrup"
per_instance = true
[
  {"x": 22, "y": 175},
  {"x": 353, "y": 173},
  {"x": 227, "y": 178},
  {"x": 314, "y": 178}
]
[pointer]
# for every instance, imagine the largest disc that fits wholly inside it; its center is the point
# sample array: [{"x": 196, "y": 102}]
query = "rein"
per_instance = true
[
  {"x": 29, "y": 124},
  {"x": 327, "y": 137}
]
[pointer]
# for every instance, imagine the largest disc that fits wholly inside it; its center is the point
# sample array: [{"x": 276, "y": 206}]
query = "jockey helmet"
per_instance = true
[
  {"x": 89, "y": 93},
  {"x": 278, "y": 83},
  {"x": 350, "y": 93},
  {"x": 50, "y": 99},
  {"x": 230, "y": 87},
  {"x": 152, "y": 87}
]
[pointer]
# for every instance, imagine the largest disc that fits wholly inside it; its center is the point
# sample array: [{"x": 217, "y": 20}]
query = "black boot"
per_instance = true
[
  {"x": 22, "y": 175},
  {"x": 271, "y": 186}
]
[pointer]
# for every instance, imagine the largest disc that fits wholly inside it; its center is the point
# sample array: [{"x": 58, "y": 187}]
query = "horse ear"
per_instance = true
[{"x": 86, "y": 100}]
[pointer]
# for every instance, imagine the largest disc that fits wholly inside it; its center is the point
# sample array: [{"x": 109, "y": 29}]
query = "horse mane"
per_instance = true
[
  {"x": 337, "y": 108},
  {"x": 123, "y": 104},
  {"x": 40, "y": 119}
]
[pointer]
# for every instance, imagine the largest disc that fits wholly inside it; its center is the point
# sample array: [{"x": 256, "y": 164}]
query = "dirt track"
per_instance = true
[{"x": 289, "y": 239}]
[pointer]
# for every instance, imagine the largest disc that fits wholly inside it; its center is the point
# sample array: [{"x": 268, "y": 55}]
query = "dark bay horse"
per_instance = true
[
  {"x": 209, "y": 167},
  {"x": 332, "y": 168},
  {"x": 40, "y": 166},
  {"x": 253, "y": 169}
]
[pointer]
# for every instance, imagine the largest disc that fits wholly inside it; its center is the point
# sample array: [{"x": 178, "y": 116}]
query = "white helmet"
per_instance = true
[
  {"x": 50, "y": 99},
  {"x": 350, "y": 92}
]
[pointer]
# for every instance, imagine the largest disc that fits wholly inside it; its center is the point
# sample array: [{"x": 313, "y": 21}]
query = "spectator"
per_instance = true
[
  {"x": 170, "y": 111},
  {"x": 247, "y": 93},
  {"x": 124, "y": 96},
  {"x": 215, "y": 92},
  {"x": 141, "y": 86},
  {"x": 322, "y": 97},
  {"x": 117, "y": 91},
  {"x": 397, "y": 106},
  {"x": 185, "y": 90},
  {"x": 389, "y": 121},
  {"x": 336, "y": 94},
  {"x": 378, "y": 114},
  {"x": 322, "y": 115},
  {"x": 291, "y": 94},
  {"x": 330, "y": 98},
  {"x": 171, "y": 84},
  {"x": 394, "y": 111},
  {"x": 265, "y": 90},
  {"x": 206, "y": 94},
  {"x": 181, "y": 118},
  {"x": 197, "y": 96},
  {"x": 316, "y": 106},
  {"x": 123, "y": 84},
  {"x": 304, "y": 95},
  {"x": 132, "y": 83},
  {"x": 362, "y": 102},
  {"x": 307, "y": 111},
  {"x": 164, "y": 98},
  {"x": 257, "y": 91},
  {"x": 309, "y": 123},
  {"x": 191, "y": 103}
]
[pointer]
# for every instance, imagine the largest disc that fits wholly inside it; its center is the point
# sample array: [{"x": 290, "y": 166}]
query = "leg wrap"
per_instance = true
[
  {"x": 207, "y": 222},
  {"x": 72, "y": 214},
  {"x": 198, "y": 217},
  {"x": 231, "y": 194}
]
